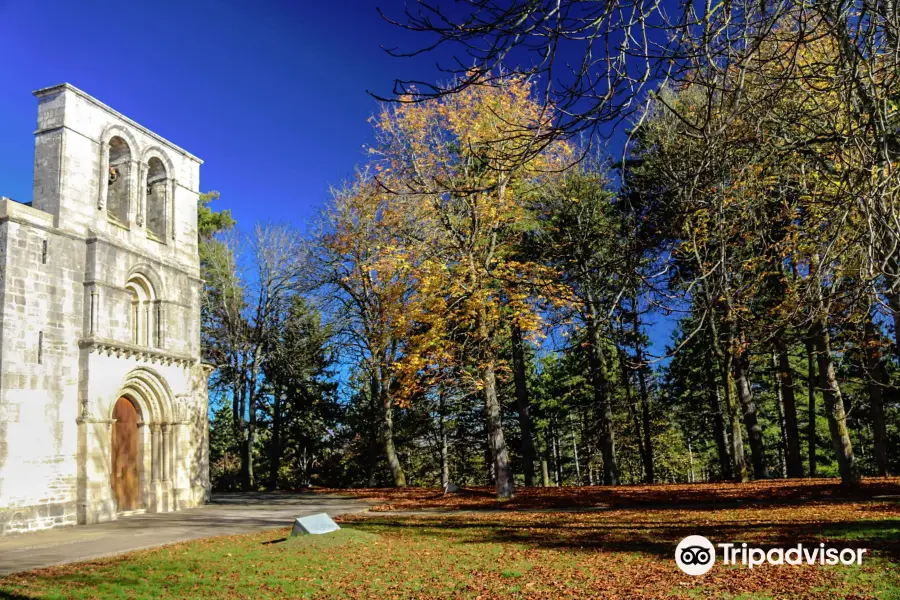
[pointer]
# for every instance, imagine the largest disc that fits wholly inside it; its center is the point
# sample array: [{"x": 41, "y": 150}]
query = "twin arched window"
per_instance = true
[
  {"x": 156, "y": 198},
  {"x": 146, "y": 313},
  {"x": 153, "y": 188},
  {"x": 118, "y": 180}
]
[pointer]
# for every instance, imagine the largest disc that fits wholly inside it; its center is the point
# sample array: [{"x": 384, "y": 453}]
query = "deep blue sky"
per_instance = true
[{"x": 272, "y": 95}]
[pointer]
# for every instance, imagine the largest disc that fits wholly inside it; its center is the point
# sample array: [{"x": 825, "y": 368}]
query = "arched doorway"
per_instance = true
[{"x": 124, "y": 477}]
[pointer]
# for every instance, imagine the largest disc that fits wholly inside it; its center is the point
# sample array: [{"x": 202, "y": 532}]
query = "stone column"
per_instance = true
[
  {"x": 95, "y": 311},
  {"x": 135, "y": 320},
  {"x": 141, "y": 193},
  {"x": 145, "y": 464},
  {"x": 148, "y": 324},
  {"x": 157, "y": 451},
  {"x": 134, "y": 195},
  {"x": 104, "y": 175},
  {"x": 165, "y": 451},
  {"x": 159, "y": 330},
  {"x": 171, "y": 449},
  {"x": 170, "y": 205}
]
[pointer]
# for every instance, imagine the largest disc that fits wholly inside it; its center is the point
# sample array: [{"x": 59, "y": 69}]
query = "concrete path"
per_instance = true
[{"x": 227, "y": 514}]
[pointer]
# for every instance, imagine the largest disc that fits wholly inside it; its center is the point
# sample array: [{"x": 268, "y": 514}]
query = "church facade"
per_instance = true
[{"x": 103, "y": 395}]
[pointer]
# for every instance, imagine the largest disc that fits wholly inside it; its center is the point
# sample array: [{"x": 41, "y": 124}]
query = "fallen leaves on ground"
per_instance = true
[
  {"x": 783, "y": 491},
  {"x": 625, "y": 550}
]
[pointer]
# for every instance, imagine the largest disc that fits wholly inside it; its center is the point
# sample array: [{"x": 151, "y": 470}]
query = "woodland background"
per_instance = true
[{"x": 475, "y": 305}]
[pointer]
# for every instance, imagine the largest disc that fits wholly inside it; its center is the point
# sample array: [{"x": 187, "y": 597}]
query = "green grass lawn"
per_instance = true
[{"x": 616, "y": 553}]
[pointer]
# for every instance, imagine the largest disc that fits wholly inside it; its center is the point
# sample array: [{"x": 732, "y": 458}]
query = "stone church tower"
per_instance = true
[{"x": 103, "y": 398}]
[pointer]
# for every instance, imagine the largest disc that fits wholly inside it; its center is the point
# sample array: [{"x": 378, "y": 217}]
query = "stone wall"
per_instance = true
[
  {"x": 73, "y": 131},
  {"x": 39, "y": 369},
  {"x": 69, "y": 272},
  {"x": 109, "y": 267}
]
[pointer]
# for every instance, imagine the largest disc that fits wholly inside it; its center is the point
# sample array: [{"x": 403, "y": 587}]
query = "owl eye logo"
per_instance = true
[{"x": 695, "y": 555}]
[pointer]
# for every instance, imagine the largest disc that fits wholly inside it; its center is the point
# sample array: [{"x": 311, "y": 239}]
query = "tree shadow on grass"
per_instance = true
[
  {"x": 278, "y": 541},
  {"x": 659, "y": 539}
]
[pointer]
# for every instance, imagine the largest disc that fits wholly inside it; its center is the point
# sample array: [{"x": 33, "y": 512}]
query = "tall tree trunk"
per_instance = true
[
  {"x": 811, "y": 385},
  {"x": 600, "y": 381},
  {"x": 641, "y": 371},
  {"x": 739, "y": 460},
  {"x": 442, "y": 433},
  {"x": 275, "y": 456},
  {"x": 629, "y": 403},
  {"x": 502, "y": 471},
  {"x": 691, "y": 477},
  {"x": 575, "y": 455},
  {"x": 725, "y": 357},
  {"x": 557, "y": 464},
  {"x": 649, "y": 474},
  {"x": 545, "y": 470},
  {"x": 779, "y": 409},
  {"x": 249, "y": 482},
  {"x": 374, "y": 447},
  {"x": 304, "y": 466},
  {"x": 831, "y": 389},
  {"x": 741, "y": 367},
  {"x": 876, "y": 381},
  {"x": 250, "y": 441},
  {"x": 252, "y": 391},
  {"x": 791, "y": 431},
  {"x": 834, "y": 405},
  {"x": 386, "y": 407},
  {"x": 491, "y": 479},
  {"x": 246, "y": 461},
  {"x": 524, "y": 406},
  {"x": 719, "y": 432},
  {"x": 492, "y": 410},
  {"x": 241, "y": 431}
]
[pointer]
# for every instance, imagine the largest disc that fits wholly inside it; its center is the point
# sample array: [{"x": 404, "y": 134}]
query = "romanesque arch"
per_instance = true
[
  {"x": 157, "y": 438},
  {"x": 118, "y": 179},
  {"x": 118, "y": 156},
  {"x": 147, "y": 318},
  {"x": 157, "y": 190},
  {"x": 157, "y": 152},
  {"x": 153, "y": 395},
  {"x": 157, "y": 198},
  {"x": 118, "y": 131},
  {"x": 148, "y": 272},
  {"x": 142, "y": 318}
]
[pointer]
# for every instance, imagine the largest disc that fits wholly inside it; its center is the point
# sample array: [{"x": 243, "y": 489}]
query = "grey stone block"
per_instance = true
[{"x": 314, "y": 524}]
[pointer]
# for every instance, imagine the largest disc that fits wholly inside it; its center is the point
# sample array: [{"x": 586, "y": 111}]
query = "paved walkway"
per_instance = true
[{"x": 227, "y": 514}]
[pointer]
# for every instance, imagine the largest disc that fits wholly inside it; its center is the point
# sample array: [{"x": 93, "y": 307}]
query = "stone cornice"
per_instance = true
[
  {"x": 144, "y": 353},
  {"x": 67, "y": 86}
]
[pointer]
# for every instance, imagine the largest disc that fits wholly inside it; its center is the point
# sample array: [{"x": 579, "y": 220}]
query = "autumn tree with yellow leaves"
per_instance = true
[
  {"x": 455, "y": 160},
  {"x": 370, "y": 272}
]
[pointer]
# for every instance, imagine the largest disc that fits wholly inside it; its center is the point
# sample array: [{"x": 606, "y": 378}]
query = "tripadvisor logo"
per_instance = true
[{"x": 695, "y": 555}]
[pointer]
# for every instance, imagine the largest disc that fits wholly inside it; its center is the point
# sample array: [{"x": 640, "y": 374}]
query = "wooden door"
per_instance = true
[{"x": 125, "y": 455}]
